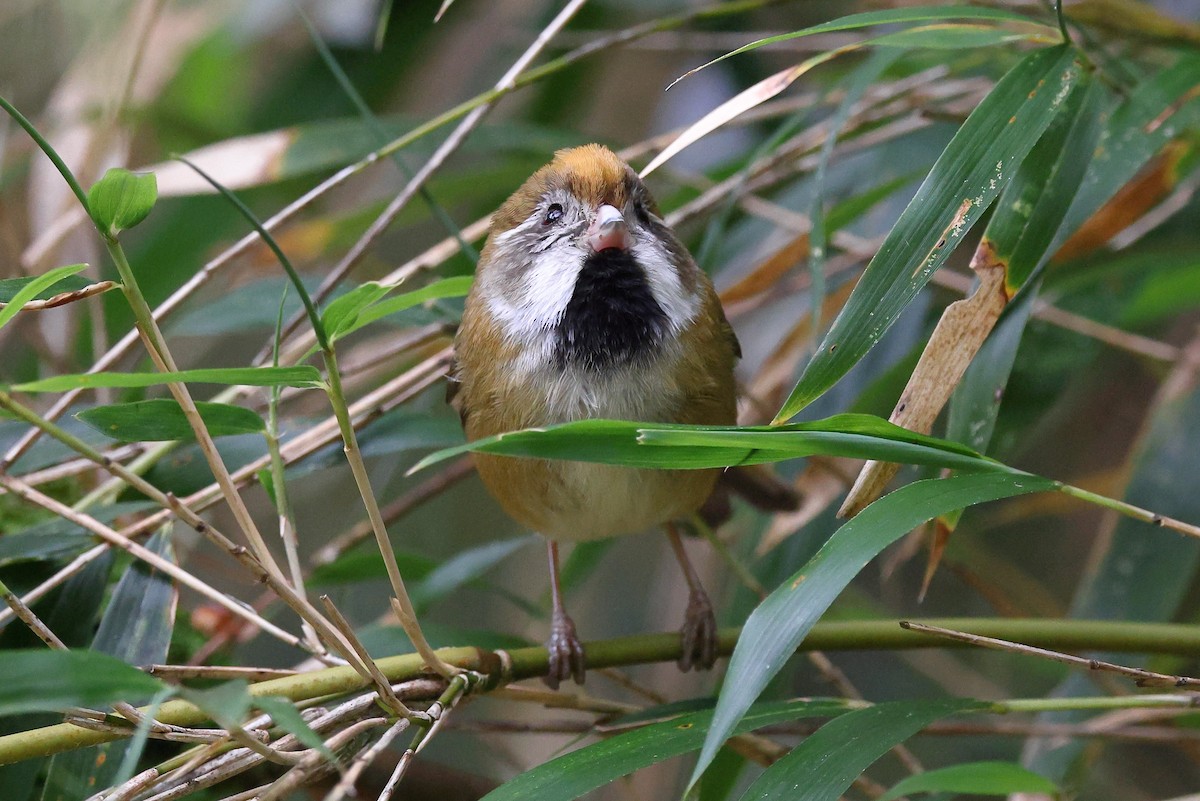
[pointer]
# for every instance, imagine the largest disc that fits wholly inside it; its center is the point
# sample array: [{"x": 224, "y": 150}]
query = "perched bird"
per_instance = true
[{"x": 586, "y": 305}]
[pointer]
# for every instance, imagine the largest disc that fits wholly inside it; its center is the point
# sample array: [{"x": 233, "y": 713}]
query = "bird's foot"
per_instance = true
[
  {"x": 566, "y": 652},
  {"x": 699, "y": 634}
]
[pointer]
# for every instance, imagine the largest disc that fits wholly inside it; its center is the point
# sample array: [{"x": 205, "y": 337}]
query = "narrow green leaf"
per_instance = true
[
  {"x": 870, "y": 18},
  {"x": 365, "y": 304},
  {"x": 661, "y": 445},
  {"x": 570, "y": 776},
  {"x": 162, "y": 419},
  {"x": 122, "y": 199},
  {"x": 957, "y": 36},
  {"x": 342, "y": 312},
  {"x": 135, "y": 628},
  {"x": 979, "y": 778},
  {"x": 32, "y": 287},
  {"x": 465, "y": 568},
  {"x": 975, "y": 404},
  {"x": 1137, "y": 572},
  {"x": 9, "y": 287},
  {"x": 456, "y": 287},
  {"x": 825, "y": 765},
  {"x": 780, "y": 623},
  {"x": 226, "y": 703},
  {"x": 55, "y": 680},
  {"x": 288, "y": 718},
  {"x": 1156, "y": 111},
  {"x": 974, "y": 168},
  {"x": 1031, "y": 209},
  {"x": 56, "y": 537},
  {"x": 300, "y": 376},
  {"x": 362, "y": 564}
]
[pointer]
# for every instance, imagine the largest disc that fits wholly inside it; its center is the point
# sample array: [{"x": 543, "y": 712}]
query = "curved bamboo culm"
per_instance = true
[{"x": 1067, "y": 635}]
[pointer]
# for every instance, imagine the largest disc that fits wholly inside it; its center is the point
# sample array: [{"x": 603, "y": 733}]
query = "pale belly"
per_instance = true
[
  {"x": 567, "y": 500},
  {"x": 596, "y": 500}
]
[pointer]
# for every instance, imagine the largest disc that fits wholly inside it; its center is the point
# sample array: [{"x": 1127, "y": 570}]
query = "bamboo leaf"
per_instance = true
[
  {"x": 1158, "y": 110},
  {"x": 827, "y": 763},
  {"x": 366, "y": 304},
  {"x": 937, "y": 36},
  {"x": 285, "y": 715},
  {"x": 55, "y": 680},
  {"x": 162, "y": 419},
  {"x": 871, "y": 18},
  {"x": 780, "y": 623},
  {"x": 662, "y": 445},
  {"x": 465, "y": 568},
  {"x": 572, "y": 775},
  {"x": 343, "y": 312},
  {"x": 135, "y": 628},
  {"x": 974, "y": 168},
  {"x": 979, "y": 778},
  {"x": 304, "y": 376},
  {"x": 33, "y": 287},
  {"x": 1032, "y": 208}
]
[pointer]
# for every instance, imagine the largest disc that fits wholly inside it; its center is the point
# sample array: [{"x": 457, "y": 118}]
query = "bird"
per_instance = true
[{"x": 586, "y": 305}]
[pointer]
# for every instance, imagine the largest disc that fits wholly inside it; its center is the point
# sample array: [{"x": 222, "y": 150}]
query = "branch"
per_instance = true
[{"x": 524, "y": 663}]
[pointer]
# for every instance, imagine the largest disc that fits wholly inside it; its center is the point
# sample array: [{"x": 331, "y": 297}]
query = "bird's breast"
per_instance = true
[{"x": 612, "y": 319}]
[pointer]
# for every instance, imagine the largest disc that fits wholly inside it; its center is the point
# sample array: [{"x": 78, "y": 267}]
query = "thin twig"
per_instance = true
[
  {"x": 178, "y": 673},
  {"x": 1145, "y": 678}
]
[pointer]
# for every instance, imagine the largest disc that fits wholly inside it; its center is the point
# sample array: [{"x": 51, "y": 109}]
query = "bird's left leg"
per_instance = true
[
  {"x": 700, "y": 625},
  {"x": 566, "y": 652}
]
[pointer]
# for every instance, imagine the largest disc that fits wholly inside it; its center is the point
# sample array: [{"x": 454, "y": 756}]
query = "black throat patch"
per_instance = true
[{"x": 612, "y": 318}]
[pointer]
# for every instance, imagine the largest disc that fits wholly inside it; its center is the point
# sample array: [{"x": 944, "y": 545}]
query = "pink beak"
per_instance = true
[{"x": 608, "y": 230}]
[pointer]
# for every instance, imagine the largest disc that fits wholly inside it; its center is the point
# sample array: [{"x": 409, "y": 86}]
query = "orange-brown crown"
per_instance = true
[{"x": 592, "y": 173}]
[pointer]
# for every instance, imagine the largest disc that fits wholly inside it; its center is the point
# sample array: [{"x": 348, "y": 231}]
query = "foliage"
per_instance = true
[{"x": 979, "y": 209}]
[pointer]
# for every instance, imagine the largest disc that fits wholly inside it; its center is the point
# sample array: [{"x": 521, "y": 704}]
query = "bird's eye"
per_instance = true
[{"x": 553, "y": 214}]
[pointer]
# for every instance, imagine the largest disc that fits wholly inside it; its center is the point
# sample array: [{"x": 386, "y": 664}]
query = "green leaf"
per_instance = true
[
  {"x": 1157, "y": 110},
  {"x": 1031, "y": 209},
  {"x": 57, "y": 537},
  {"x": 365, "y": 563},
  {"x": 975, "y": 404},
  {"x": 342, "y": 312},
  {"x": 979, "y": 778},
  {"x": 455, "y": 287},
  {"x": 9, "y": 287},
  {"x": 570, "y": 776},
  {"x": 32, "y": 287},
  {"x": 662, "y": 445},
  {"x": 136, "y": 628},
  {"x": 1138, "y": 572},
  {"x": 780, "y": 623},
  {"x": 888, "y": 17},
  {"x": 285, "y": 715},
  {"x": 163, "y": 419},
  {"x": 364, "y": 304},
  {"x": 973, "y": 169},
  {"x": 465, "y": 568},
  {"x": 226, "y": 703},
  {"x": 122, "y": 199},
  {"x": 827, "y": 762},
  {"x": 56, "y": 680},
  {"x": 305, "y": 376}
]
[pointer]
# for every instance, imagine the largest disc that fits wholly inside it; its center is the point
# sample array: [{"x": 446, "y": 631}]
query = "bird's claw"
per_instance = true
[
  {"x": 566, "y": 652},
  {"x": 699, "y": 634}
]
